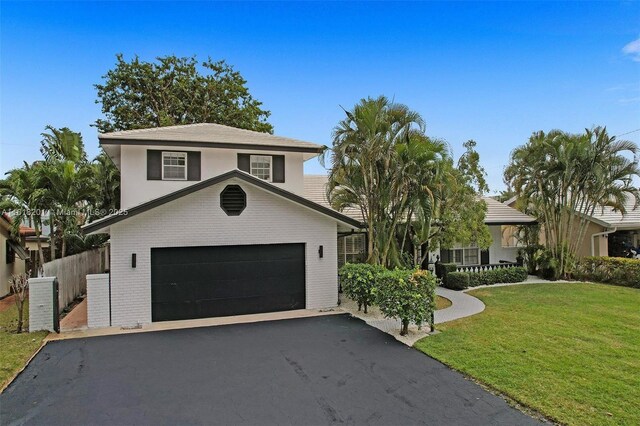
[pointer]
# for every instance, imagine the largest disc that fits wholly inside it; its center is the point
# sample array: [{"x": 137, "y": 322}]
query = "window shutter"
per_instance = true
[
  {"x": 193, "y": 165},
  {"x": 277, "y": 164},
  {"x": 244, "y": 162},
  {"x": 445, "y": 256},
  {"x": 484, "y": 257},
  {"x": 9, "y": 253},
  {"x": 154, "y": 165}
]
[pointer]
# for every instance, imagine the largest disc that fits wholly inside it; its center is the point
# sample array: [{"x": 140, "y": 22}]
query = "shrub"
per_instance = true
[
  {"x": 408, "y": 295},
  {"x": 498, "y": 276},
  {"x": 357, "y": 281},
  {"x": 442, "y": 269},
  {"x": 457, "y": 280},
  {"x": 610, "y": 270}
]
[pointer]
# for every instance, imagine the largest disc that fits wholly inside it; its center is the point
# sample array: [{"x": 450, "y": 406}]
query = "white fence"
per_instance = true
[{"x": 72, "y": 272}]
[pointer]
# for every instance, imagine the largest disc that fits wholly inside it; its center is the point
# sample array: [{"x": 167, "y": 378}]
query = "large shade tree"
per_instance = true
[
  {"x": 177, "y": 90},
  {"x": 564, "y": 178},
  {"x": 403, "y": 182}
]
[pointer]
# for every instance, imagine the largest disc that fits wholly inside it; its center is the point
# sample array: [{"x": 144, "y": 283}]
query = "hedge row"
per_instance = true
[
  {"x": 405, "y": 294},
  {"x": 462, "y": 280},
  {"x": 610, "y": 270}
]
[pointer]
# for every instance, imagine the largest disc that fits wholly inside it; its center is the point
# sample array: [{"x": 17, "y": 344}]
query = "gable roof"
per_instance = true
[
  {"x": 208, "y": 135},
  {"x": 107, "y": 221},
  {"x": 501, "y": 214},
  {"x": 629, "y": 220},
  {"x": 315, "y": 189}
]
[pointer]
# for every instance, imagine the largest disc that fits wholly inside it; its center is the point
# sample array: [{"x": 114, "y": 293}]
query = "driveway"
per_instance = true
[{"x": 310, "y": 371}]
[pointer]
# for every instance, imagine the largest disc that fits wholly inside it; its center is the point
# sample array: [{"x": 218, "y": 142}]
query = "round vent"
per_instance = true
[{"x": 233, "y": 200}]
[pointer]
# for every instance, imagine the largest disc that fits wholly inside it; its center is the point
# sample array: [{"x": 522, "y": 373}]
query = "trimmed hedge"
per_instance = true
[
  {"x": 610, "y": 270},
  {"x": 457, "y": 280},
  {"x": 408, "y": 295},
  {"x": 357, "y": 281}
]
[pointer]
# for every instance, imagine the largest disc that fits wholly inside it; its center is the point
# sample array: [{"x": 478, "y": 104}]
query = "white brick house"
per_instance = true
[{"x": 215, "y": 223}]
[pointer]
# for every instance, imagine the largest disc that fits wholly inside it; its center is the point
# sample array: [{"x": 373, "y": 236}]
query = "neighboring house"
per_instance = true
[
  {"x": 12, "y": 255},
  {"x": 609, "y": 232},
  {"x": 502, "y": 221},
  {"x": 30, "y": 239},
  {"x": 215, "y": 222}
]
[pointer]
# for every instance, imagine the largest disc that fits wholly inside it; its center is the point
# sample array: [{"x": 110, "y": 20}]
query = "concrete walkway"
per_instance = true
[
  {"x": 76, "y": 319},
  {"x": 462, "y": 305}
]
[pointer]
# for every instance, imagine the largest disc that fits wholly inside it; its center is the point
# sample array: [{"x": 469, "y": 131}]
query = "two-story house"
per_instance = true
[{"x": 215, "y": 222}]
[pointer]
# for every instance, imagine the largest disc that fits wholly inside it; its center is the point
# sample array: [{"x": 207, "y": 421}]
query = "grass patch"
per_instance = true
[
  {"x": 15, "y": 349},
  {"x": 442, "y": 303},
  {"x": 570, "y": 351}
]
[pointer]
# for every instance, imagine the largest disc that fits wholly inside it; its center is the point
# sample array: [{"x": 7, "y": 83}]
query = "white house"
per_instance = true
[
  {"x": 215, "y": 223},
  {"x": 220, "y": 221}
]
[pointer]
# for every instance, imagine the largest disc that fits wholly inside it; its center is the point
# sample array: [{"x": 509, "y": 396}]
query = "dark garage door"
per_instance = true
[{"x": 201, "y": 282}]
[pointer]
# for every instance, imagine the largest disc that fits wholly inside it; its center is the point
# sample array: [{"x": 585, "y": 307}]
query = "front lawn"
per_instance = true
[
  {"x": 570, "y": 351},
  {"x": 15, "y": 349}
]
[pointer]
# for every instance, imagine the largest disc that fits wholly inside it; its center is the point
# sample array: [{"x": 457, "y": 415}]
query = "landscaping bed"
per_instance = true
[
  {"x": 569, "y": 351},
  {"x": 15, "y": 349}
]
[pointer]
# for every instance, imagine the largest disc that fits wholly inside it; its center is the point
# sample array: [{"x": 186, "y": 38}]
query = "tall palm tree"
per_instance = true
[
  {"x": 363, "y": 169},
  {"x": 565, "y": 177},
  {"x": 22, "y": 196},
  {"x": 69, "y": 190},
  {"x": 62, "y": 144}
]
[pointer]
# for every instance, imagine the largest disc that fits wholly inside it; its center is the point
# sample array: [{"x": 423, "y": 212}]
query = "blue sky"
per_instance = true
[{"x": 492, "y": 72}]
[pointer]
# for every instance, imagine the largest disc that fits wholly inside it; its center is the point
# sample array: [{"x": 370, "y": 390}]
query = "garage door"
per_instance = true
[{"x": 201, "y": 282}]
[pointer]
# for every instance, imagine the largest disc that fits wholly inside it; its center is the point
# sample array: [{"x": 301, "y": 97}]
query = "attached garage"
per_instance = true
[
  {"x": 230, "y": 245},
  {"x": 202, "y": 282}
]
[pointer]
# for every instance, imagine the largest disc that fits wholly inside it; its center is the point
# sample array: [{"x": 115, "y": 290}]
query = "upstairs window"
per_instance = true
[
  {"x": 174, "y": 166},
  {"x": 261, "y": 167}
]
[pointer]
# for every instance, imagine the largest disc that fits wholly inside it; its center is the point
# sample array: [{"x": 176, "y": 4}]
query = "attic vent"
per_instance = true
[{"x": 233, "y": 200}]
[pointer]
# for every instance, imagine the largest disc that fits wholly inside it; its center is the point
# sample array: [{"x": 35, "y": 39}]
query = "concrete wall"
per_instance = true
[
  {"x": 98, "y": 309},
  {"x": 72, "y": 273},
  {"x": 41, "y": 303},
  {"x": 7, "y": 269},
  {"x": 198, "y": 220},
  {"x": 136, "y": 189}
]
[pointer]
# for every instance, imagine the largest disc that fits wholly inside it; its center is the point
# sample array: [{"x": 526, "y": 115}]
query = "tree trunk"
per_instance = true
[
  {"x": 365, "y": 308},
  {"x": 40, "y": 268},
  {"x": 405, "y": 327},
  {"x": 52, "y": 236},
  {"x": 20, "y": 312}
]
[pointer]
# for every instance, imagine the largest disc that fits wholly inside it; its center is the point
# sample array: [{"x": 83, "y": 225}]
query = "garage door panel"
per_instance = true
[{"x": 198, "y": 282}]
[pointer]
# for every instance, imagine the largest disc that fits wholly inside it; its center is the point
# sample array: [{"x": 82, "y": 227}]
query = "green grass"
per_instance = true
[
  {"x": 15, "y": 349},
  {"x": 569, "y": 351},
  {"x": 442, "y": 303}
]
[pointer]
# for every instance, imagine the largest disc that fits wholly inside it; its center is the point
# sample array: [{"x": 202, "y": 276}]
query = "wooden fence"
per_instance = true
[{"x": 72, "y": 271}]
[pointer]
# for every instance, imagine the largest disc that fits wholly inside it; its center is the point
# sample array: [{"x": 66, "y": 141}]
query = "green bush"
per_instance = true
[
  {"x": 610, "y": 270},
  {"x": 498, "y": 276},
  {"x": 457, "y": 280},
  {"x": 442, "y": 269},
  {"x": 357, "y": 281},
  {"x": 408, "y": 295}
]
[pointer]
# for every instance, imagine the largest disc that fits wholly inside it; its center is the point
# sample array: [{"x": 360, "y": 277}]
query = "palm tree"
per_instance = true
[
  {"x": 364, "y": 170},
  {"x": 565, "y": 177},
  {"x": 62, "y": 144},
  {"x": 69, "y": 190},
  {"x": 22, "y": 196}
]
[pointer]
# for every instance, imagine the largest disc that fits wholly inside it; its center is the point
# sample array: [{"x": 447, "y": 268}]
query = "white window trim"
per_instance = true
[
  {"x": 252, "y": 156},
  {"x": 464, "y": 249},
  {"x": 178, "y": 154}
]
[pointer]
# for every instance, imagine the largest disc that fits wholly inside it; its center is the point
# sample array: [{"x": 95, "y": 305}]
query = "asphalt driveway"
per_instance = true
[{"x": 311, "y": 371}]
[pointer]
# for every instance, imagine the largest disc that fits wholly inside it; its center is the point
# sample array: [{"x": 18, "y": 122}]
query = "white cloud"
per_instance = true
[{"x": 633, "y": 49}]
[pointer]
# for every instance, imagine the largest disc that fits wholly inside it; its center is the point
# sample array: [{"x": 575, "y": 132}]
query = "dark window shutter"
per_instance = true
[
  {"x": 244, "y": 162},
  {"x": 277, "y": 164},
  {"x": 484, "y": 257},
  {"x": 154, "y": 165},
  {"x": 9, "y": 253},
  {"x": 193, "y": 165},
  {"x": 445, "y": 256}
]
